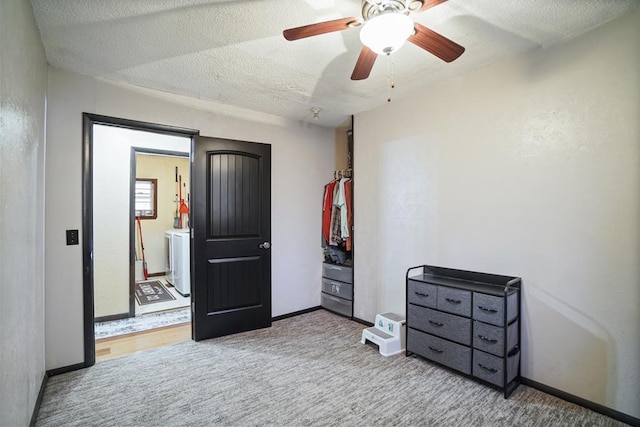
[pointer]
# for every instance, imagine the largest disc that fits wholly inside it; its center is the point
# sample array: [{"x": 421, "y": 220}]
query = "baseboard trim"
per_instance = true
[
  {"x": 113, "y": 317},
  {"x": 36, "y": 407},
  {"x": 364, "y": 322},
  {"x": 596, "y": 407},
  {"x": 295, "y": 313},
  {"x": 157, "y": 274},
  {"x": 65, "y": 369}
]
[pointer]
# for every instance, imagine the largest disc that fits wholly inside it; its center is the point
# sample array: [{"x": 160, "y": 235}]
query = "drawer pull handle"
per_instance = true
[
  {"x": 491, "y": 340},
  {"x": 488, "y": 310},
  {"x": 453, "y": 301},
  {"x": 436, "y": 323},
  {"x": 436, "y": 350},
  {"x": 421, "y": 294},
  {"x": 333, "y": 268},
  {"x": 488, "y": 369}
]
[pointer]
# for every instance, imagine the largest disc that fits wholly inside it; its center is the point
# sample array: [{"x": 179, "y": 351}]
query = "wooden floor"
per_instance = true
[{"x": 109, "y": 348}]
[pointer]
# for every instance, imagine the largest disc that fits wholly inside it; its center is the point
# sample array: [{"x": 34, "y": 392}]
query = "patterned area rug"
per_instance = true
[
  {"x": 152, "y": 292},
  {"x": 142, "y": 323}
]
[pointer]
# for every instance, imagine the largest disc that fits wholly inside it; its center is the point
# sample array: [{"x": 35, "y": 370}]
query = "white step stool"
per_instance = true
[{"x": 389, "y": 333}]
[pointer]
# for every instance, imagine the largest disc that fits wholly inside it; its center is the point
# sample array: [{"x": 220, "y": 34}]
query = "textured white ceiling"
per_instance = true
[{"x": 232, "y": 52}]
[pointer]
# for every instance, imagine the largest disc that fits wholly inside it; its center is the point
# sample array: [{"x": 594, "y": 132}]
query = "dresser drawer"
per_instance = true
[
  {"x": 444, "y": 325},
  {"x": 456, "y": 301},
  {"x": 450, "y": 354},
  {"x": 338, "y": 305},
  {"x": 490, "y": 309},
  {"x": 491, "y": 369},
  {"x": 339, "y": 289},
  {"x": 337, "y": 272},
  {"x": 490, "y": 338},
  {"x": 422, "y": 293}
]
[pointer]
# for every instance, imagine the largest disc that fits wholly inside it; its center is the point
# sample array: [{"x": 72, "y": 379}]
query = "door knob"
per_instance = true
[{"x": 265, "y": 245}]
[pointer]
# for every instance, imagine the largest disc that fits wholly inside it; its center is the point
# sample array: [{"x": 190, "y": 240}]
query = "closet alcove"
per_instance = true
[{"x": 337, "y": 231}]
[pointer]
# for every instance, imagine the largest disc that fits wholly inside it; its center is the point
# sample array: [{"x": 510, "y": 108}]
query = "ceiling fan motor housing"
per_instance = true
[{"x": 373, "y": 8}]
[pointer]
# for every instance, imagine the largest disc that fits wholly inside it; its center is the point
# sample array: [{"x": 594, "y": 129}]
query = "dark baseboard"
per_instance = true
[
  {"x": 36, "y": 408},
  {"x": 156, "y": 274},
  {"x": 611, "y": 413},
  {"x": 295, "y": 313},
  {"x": 65, "y": 369},
  {"x": 113, "y": 317},
  {"x": 364, "y": 322}
]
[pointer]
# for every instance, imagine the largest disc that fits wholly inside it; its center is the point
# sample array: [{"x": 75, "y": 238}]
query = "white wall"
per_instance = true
[
  {"x": 302, "y": 162},
  {"x": 530, "y": 168},
  {"x": 111, "y": 199},
  {"x": 23, "y": 85}
]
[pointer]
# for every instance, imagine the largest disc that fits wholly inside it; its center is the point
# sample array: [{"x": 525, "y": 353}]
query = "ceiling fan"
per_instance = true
[{"x": 386, "y": 25}]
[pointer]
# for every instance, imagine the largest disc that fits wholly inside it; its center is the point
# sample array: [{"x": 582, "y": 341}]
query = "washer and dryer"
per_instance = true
[{"x": 179, "y": 274}]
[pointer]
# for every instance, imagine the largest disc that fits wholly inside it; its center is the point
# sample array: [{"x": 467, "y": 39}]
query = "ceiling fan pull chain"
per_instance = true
[
  {"x": 393, "y": 83},
  {"x": 390, "y": 82},
  {"x": 388, "y": 78}
]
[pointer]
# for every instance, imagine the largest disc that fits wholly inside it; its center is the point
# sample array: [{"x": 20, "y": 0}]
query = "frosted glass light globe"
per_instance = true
[{"x": 386, "y": 33}]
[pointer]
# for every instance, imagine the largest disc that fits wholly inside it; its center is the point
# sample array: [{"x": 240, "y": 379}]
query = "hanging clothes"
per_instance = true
[
  {"x": 327, "y": 208},
  {"x": 335, "y": 236},
  {"x": 348, "y": 192},
  {"x": 342, "y": 204},
  {"x": 337, "y": 220}
]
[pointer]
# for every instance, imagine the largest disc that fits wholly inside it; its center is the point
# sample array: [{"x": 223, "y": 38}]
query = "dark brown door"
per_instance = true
[{"x": 231, "y": 255}]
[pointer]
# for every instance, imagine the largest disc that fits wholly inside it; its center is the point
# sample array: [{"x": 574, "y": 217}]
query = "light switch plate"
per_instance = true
[{"x": 72, "y": 237}]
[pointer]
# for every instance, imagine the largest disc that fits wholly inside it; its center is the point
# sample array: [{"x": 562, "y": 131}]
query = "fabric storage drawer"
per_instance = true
[
  {"x": 490, "y": 309},
  {"x": 450, "y": 354},
  {"x": 422, "y": 293},
  {"x": 339, "y": 289},
  {"x": 491, "y": 369},
  {"x": 456, "y": 301},
  {"x": 490, "y": 338},
  {"x": 337, "y": 272},
  {"x": 339, "y": 305},
  {"x": 444, "y": 325}
]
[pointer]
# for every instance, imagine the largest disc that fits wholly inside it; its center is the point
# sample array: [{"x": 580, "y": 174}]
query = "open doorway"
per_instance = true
[
  {"x": 230, "y": 234},
  {"x": 127, "y": 161},
  {"x": 161, "y": 199}
]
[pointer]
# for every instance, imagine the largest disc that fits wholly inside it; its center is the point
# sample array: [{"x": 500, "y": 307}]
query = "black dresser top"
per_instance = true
[{"x": 492, "y": 284}]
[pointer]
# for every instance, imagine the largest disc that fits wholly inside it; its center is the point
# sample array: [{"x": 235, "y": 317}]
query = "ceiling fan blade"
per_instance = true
[
  {"x": 435, "y": 43},
  {"x": 320, "y": 28},
  {"x": 428, "y": 4},
  {"x": 364, "y": 65}
]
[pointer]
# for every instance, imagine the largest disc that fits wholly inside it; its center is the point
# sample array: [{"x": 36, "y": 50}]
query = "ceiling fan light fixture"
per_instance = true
[{"x": 386, "y": 32}]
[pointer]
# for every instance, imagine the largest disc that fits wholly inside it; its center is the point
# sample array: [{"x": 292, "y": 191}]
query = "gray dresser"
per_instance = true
[
  {"x": 466, "y": 321},
  {"x": 337, "y": 289}
]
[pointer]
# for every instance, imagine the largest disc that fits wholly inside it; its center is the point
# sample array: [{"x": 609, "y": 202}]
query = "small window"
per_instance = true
[{"x": 146, "y": 200}]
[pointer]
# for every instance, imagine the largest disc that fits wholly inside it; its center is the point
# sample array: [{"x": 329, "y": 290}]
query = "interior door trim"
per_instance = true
[{"x": 88, "y": 120}]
